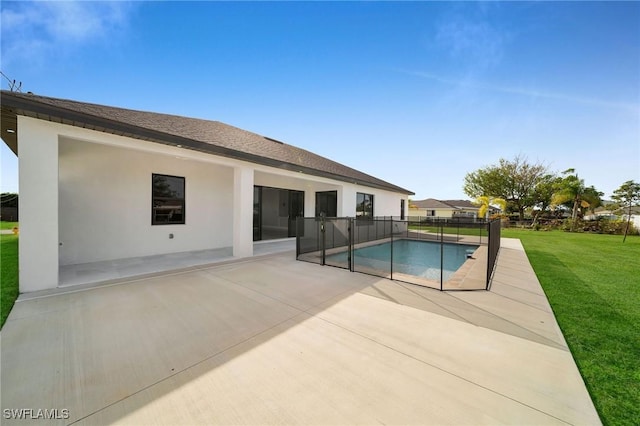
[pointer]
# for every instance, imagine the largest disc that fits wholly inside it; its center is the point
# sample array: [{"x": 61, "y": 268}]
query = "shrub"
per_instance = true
[{"x": 598, "y": 226}]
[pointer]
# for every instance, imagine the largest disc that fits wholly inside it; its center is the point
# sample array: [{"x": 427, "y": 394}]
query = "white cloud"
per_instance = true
[
  {"x": 528, "y": 92},
  {"x": 474, "y": 41},
  {"x": 473, "y": 35},
  {"x": 31, "y": 30}
]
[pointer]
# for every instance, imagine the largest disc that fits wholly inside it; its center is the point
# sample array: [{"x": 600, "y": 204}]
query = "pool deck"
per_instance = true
[{"x": 272, "y": 340}]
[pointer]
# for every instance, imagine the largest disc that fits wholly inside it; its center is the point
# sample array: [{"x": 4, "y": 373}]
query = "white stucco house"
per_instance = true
[
  {"x": 100, "y": 183},
  {"x": 618, "y": 214}
]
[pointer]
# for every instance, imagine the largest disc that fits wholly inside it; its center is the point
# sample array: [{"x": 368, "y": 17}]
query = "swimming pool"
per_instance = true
[{"x": 411, "y": 257}]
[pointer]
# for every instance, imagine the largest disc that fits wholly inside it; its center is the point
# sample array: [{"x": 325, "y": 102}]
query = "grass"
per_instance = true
[
  {"x": 593, "y": 285},
  {"x": 8, "y": 225},
  {"x": 8, "y": 274}
]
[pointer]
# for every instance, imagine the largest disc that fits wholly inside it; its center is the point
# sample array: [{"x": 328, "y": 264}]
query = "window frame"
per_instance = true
[
  {"x": 181, "y": 201},
  {"x": 365, "y": 215},
  {"x": 333, "y": 195}
]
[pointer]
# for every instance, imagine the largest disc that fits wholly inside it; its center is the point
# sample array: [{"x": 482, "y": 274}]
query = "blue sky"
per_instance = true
[{"x": 416, "y": 93}]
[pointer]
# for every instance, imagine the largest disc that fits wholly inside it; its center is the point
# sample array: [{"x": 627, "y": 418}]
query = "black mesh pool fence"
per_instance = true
[{"x": 442, "y": 254}]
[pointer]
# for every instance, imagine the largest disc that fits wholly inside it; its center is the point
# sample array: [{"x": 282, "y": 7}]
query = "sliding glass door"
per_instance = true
[{"x": 275, "y": 211}]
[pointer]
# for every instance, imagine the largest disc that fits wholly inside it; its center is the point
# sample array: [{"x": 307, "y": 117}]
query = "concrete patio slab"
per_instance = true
[
  {"x": 275, "y": 341},
  {"x": 118, "y": 269}
]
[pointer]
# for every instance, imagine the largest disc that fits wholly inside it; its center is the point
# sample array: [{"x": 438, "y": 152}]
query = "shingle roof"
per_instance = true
[
  {"x": 430, "y": 203},
  {"x": 212, "y": 137},
  {"x": 462, "y": 204}
]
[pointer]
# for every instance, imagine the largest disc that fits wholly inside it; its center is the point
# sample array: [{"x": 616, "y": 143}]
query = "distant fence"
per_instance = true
[
  {"x": 9, "y": 214},
  {"x": 383, "y": 247}
]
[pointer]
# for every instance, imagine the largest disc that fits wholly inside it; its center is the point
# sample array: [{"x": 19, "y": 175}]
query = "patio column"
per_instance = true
[
  {"x": 38, "y": 177},
  {"x": 242, "y": 212}
]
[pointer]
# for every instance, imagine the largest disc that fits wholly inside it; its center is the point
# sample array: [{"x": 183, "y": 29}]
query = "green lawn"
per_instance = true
[
  {"x": 8, "y": 274},
  {"x": 8, "y": 225},
  {"x": 593, "y": 285}
]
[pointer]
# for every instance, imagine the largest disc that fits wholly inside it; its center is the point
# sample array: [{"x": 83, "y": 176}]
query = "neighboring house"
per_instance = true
[
  {"x": 601, "y": 213},
  {"x": 100, "y": 183},
  {"x": 443, "y": 208},
  {"x": 622, "y": 212},
  {"x": 618, "y": 214},
  {"x": 635, "y": 219}
]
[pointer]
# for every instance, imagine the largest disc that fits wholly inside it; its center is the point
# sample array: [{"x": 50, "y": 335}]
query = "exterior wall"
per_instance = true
[
  {"x": 385, "y": 203},
  {"x": 105, "y": 204},
  {"x": 38, "y": 174},
  {"x": 86, "y": 196}
]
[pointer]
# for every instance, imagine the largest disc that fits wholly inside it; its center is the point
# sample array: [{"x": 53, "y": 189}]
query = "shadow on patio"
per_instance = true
[{"x": 274, "y": 340}]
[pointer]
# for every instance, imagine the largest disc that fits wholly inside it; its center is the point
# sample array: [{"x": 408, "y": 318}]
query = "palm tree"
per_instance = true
[
  {"x": 592, "y": 197},
  {"x": 485, "y": 202},
  {"x": 571, "y": 189}
]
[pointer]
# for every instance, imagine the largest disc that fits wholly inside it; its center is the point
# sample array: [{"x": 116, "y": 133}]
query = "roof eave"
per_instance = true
[{"x": 13, "y": 106}]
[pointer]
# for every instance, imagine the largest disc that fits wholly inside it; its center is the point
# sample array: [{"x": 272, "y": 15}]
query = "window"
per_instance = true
[
  {"x": 167, "y": 206},
  {"x": 401, "y": 209},
  {"x": 327, "y": 203},
  {"x": 364, "y": 206}
]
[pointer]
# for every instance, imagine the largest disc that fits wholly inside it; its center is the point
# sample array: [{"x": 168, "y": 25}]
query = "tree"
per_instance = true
[
  {"x": 513, "y": 181},
  {"x": 571, "y": 190},
  {"x": 628, "y": 195},
  {"x": 543, "y": 194},
  {"x": 485, "y": 204},
  {"x": 593, "y": 199}
]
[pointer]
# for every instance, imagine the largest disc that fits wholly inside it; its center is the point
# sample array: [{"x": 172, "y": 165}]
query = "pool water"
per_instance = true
[{"x": 418, "y": 258}]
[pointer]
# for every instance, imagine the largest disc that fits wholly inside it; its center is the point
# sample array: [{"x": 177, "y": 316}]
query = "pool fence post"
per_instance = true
[
  {"x": 350, "y": 245},
  {"x": 323, "y": 244},
  {"x": 391, "y": 265},
  {"x": 441, "y": 255},
  {"x": 298, "y": 233},
  {"x": 486, "y": 287}
]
